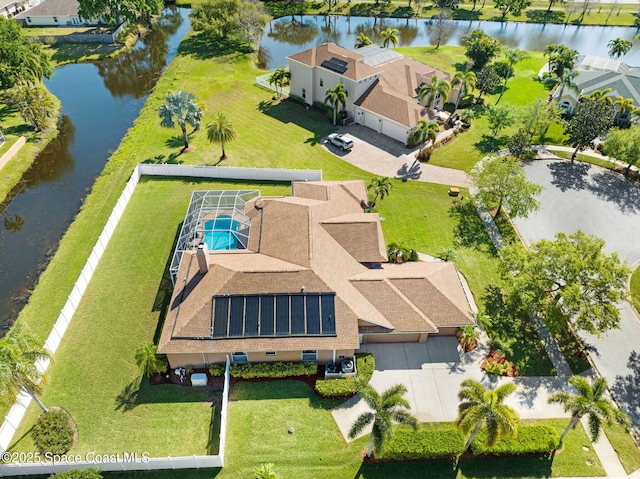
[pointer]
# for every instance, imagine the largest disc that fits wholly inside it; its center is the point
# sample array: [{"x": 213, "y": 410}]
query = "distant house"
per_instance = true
[
  {"x": 54, "y": 13},
  {"x": 294, "y": 278},
  {"x": 382, "y": 85},
  {"x": 596, "y": 73},
  {"x": 10, "y": 8}
]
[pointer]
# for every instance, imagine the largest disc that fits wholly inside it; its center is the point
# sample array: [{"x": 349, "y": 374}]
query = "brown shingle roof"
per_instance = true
[
  {"x": 356, "y": 69},
  {"x": 360, "y": 234}
]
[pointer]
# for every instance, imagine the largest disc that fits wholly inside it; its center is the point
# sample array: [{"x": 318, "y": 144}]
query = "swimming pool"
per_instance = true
[{"x": 219, "y": 234}]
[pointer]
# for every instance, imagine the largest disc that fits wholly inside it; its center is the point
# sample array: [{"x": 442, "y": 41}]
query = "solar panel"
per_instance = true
[
  {"x": 335, "y": 64},
  {"x": 267, "y": 318},
  {"x": 220, "y": 317},
  {"x": 253, "y": 315},
  {"x": 282, "y": 316},
  {"x": 297, "y": 314}
]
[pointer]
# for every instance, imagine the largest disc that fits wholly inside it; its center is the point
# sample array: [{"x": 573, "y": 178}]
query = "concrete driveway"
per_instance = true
[
  {"x": 384, "y": 156},
  {"x": 582, "y": 196},
  {"x": 432, "y": 373}
]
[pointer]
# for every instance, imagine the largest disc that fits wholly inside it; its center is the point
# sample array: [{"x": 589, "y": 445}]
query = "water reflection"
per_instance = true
[
  {"x": 289, "y": 35},
  {"x": 99, "y": 104}
]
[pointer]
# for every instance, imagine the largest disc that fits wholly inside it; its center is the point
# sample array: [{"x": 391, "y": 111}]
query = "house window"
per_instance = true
[
  {"x": 239, "y": 358},
  {"x": 310, "y": 355},
  {"x": 321, "y": 82},
  {"x": 304, "y": 93},
  {"x": 55, "y": 19},
  {"x": 270, "y": 353}
]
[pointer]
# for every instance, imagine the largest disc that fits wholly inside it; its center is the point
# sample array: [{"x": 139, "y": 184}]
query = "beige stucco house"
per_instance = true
[
  {"x": 301, "y": 277},
  {"x": 382, "y": 85},
  {"x": 55, "y": 13}
]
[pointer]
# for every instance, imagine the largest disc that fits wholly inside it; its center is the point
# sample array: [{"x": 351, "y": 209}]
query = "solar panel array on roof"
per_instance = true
[
  {"x": 264, "y": 315},
  {"x": 335, "y": 64}
]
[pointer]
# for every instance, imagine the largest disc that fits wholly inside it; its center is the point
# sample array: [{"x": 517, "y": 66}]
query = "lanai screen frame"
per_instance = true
[{"x": 232, "y": 202}]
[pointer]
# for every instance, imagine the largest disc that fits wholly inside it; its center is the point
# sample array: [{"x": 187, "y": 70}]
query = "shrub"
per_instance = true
[
  {"x": 341, "y": 387},
  {"x": 216, "y": 369},
  {"x": 276, "y": 369},
  {"x": 53, "y": 432},
  {"x": 424, "y": 444},
  {"x": 530, "y": 439},
  {"x": 466, "y": 101},
  {"x": 78, "y": 474},
  {"x": 425, "y": 153},
  {"x": 499, "y": 369},
  {"x": 324, "y": 107}
]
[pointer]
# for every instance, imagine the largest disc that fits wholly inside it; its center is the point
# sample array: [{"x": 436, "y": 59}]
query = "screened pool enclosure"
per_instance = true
[{"x": 216, "y": 218}]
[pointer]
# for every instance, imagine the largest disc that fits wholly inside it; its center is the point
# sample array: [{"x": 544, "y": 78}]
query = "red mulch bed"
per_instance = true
[{"x": 496, "y": 357}]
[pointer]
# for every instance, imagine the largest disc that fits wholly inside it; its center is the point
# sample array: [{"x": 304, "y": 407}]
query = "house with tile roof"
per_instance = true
[
  {"x": 300, "y": 277},
  {"x": 596, "y": 73},
  {"x": 382, "y": 85}
]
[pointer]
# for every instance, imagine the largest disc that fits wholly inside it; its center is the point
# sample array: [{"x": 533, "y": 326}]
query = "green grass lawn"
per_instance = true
[
  {"x": 625, "y": 446},
  {"x": 635, "y": 288}
]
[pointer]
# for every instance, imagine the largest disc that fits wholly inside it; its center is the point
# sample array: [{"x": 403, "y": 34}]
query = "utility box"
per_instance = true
[{"x": 198, "y": 379}]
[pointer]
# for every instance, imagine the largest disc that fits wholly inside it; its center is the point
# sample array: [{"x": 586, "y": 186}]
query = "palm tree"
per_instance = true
[
  {"x": 566, "y": 80},
  {"x": 149, "y": 361},
  {"x": 335, "y": 97},
  {"x": 182, "y": 107},
  {"x": 19, "y": 351},
  {"x": 423, "y": 132},
  {"x": 601, "y": 95},
  {"x": 265, "y": 471},
  {"x": 591, "y": 402},
  {"x": 221, "y": 130},
  {"x": 619, "y": 47},
  {"x": 513, "y": 56},
  {"x": 387, "y": 408},
  {"x": 622, "y": 106},
  {"x": 434, "y": 91},
  {"x": 381, "y": 186},
  {"x": 465, "y": 81},
  {"x": 362, "y": 40},
  {"x": 278, "y": 79},
  {"x": 480, "y": 405},
  {"x": 390, "y": 35}
]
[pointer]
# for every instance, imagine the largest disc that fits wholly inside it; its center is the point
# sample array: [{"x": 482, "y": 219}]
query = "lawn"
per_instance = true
[
  {"x": 261, "y": 413},
  {"x": 625, "y": 446},
  {"x": 635, "y": 288}
]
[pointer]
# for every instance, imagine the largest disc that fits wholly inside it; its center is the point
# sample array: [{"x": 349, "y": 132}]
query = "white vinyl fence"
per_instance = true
[
  {"x": 263, "y": 81},
  {"x": 19, "y": 408}
]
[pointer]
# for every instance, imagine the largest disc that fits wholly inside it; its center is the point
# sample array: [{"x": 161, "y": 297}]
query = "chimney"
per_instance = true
[{"x": 203, "y": 258}]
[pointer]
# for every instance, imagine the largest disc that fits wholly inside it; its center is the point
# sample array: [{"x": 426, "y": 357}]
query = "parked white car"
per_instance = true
[{"x": 340, "y": 141}]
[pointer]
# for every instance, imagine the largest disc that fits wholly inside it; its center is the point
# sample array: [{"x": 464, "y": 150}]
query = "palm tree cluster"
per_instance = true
[
  {"x": 181, "y": 109},
  {"x": 335, "y": 97},
  {"x": 432, "y": 93},
  {"x": 390, "y": 35},
  {"x": 279, "y": 78}
]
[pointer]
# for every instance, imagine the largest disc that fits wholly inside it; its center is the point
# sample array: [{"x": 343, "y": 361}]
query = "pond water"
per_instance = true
[
  {"x": 100, "y": 101},
  {"x": 289, "y": 35}
]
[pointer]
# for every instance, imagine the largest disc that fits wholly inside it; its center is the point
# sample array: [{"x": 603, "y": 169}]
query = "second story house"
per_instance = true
[{"x": 382, "y": 85}]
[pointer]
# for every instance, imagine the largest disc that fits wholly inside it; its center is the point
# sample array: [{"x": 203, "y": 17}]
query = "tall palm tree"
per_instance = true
[
  {"x": 181, "y": 108},
  {"x": 566, "y": 80},
  {"x": 390, "y": 35},
  {"x": 362, "y": 40},
  {"x": 480, "y": 405},
  {"x": 423, "y": 132},
  {"x": 335, "y": 97},
  {"x": 279, "y": 78},
  {"x": 221, "y": 130},
  {"x": 265, "y": 471},
  {"x": 381, "y": 186},
  {"x": 590, "y": 401},
  {"x": 19, "y": 351},
  {"x": 466, "y": 82},
  {"x": 387, "y": 408},
  {"x": 432, "y": 92},
  {"x": 622, "y": 106},
  {"x": 513, "y": 56},
  {"x": 619, "y": 47},
  {"x": 149, "y": 361}
]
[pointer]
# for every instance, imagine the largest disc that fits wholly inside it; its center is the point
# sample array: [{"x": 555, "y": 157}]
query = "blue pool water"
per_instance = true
[{"x": 219, "y": 233}]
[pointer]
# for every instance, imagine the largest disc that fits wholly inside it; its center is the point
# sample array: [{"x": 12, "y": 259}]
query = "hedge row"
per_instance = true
[
  {"x": 533, "y": 439},
  {"x": 365, "y": 365},
  {"x": 276, "y": 369},
  {"x": 424, "y": 444}
]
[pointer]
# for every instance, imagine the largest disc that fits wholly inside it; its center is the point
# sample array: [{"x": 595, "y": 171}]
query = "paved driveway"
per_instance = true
[
  {"x": 432, "y": 373},
  {"x": 582, "y": 196}
]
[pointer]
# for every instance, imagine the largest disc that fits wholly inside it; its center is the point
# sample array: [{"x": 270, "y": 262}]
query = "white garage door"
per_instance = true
[
  {"x": 395, "y": 131},
  {"x": 372, "y": 121}
]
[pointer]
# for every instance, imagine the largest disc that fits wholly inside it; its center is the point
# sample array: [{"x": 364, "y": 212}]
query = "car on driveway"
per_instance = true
[{"x": 340, "y": 141}]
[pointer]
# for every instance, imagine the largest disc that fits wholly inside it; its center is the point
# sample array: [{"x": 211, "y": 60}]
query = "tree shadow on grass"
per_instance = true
[
  {"x": 287, "y": 111},
  {"x": 516, "y": 466},
  {"x": 202, "y": 47},
  {"x": 510, "y": 323},
  {"x": 172, "y": 159},
  {"x": 140, "y": 391},
  {"x": 542, "y": 16},
  {"x": 436, "y": 469},
  {"x": 464, "y": 14},
  {"x": 469, "y": 230},
  {"x": 490, "y": 144}
]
